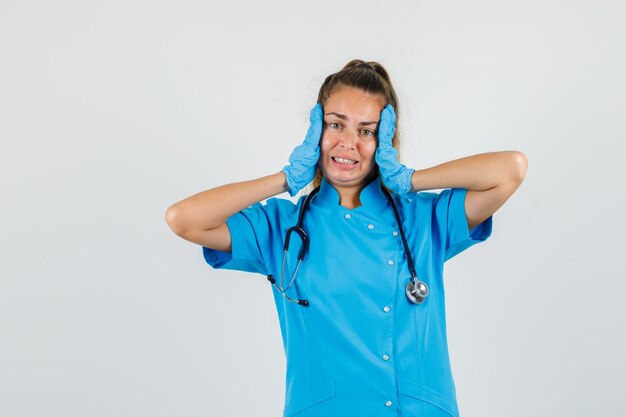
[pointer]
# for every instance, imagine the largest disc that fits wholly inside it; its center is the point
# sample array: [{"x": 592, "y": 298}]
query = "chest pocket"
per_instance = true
[{"x": 319, "y": 402}]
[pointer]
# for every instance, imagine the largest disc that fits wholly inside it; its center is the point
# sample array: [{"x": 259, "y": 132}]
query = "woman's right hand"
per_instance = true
[
  {"x": 201, "y": 218},
  {"x": 303, "y": 160}
]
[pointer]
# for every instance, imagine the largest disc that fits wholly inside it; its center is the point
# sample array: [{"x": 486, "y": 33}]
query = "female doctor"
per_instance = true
[{"x": 359, "y": 289}]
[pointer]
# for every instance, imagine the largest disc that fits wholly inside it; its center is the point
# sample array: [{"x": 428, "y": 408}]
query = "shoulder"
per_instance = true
[
  {"x": 437, "y": 198},
  {"x": 282, "y": 204},
  {"x": 274, "y": 209},
  {"x": 428, "y": 204},
  {"x": 417, "y": 201}
]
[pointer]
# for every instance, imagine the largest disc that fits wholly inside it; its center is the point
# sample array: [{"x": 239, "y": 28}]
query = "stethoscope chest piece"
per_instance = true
[{"x": 416, "y": 293}]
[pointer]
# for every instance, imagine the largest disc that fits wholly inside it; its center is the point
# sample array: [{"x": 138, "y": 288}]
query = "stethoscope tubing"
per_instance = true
[{"x": 416, "y": 290}]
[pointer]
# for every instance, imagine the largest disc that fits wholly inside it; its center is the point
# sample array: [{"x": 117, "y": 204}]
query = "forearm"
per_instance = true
[
  {"x": 477, "y": 172},
  {"x": 211, "y": 208}
]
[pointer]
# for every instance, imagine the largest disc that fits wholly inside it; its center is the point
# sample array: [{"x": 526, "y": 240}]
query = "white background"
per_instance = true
[{"x": 111, "y": 111}]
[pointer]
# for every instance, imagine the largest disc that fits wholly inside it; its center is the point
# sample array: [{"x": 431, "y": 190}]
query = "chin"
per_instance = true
[{"x": 353, "y": 179}]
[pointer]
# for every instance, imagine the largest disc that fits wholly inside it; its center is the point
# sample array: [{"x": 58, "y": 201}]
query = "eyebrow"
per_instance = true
[{"x": 344, "y": 117}]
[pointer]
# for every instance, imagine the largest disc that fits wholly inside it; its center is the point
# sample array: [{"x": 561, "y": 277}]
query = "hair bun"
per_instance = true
[{"x": 365, "y": 65}]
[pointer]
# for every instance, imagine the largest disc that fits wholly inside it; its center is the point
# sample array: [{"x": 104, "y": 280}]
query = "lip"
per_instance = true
[
  {"x": 345, "y": 157},
  {"x": 343, "y": 167}
]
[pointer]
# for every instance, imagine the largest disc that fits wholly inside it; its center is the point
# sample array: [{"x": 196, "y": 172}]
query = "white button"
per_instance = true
[
  {"x": 386, "y": 309},
  {"x": 395, "y": 233},
  {"x": 390, "y": 262},
  {"x": 370, "y": 226},
  {"x": 385, "y": 357},
  {"x": 347, "y": 216},
  {"x": 388, "y": 403}
]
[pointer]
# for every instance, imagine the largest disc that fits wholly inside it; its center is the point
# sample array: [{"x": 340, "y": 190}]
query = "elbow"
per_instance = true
[
  {"x": 173, "y": 218},
  {"x": 518, "y": 166}
]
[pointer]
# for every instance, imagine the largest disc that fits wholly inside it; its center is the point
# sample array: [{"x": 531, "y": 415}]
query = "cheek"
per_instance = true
[
  {"x": 368, "y": 149},
  {"x": 328, "y": 141}
]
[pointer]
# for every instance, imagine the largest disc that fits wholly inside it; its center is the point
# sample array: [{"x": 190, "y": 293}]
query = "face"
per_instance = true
[{"x": 349, "y": 137}]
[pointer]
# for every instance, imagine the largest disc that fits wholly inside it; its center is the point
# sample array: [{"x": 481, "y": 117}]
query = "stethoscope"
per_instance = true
[{"x": 416, "y": 290}]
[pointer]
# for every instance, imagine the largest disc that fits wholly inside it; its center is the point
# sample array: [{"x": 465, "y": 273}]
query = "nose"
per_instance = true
[{"x": 348, "y": 140}]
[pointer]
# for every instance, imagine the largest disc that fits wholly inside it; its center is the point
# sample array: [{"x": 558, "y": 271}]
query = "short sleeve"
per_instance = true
[
  {"x": 250, "y": 233},
  {"x": 451, "y": 223}
]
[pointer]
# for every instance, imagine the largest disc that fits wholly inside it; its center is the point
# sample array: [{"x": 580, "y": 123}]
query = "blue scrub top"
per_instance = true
[{"x": 360, "y": 348}]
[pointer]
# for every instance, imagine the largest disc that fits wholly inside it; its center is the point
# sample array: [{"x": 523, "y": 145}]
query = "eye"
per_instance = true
[
  {"x": 333, "y": 125},
  {"x": 367, "y": 132}
]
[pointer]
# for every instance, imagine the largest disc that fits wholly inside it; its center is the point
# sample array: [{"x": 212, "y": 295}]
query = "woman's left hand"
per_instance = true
[{"x": 395, "y": 175}]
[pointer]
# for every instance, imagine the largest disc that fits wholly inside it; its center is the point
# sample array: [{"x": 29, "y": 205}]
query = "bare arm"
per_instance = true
[
  {"x": 490, "y": 178},
  {"x": 202, "y": 217}
]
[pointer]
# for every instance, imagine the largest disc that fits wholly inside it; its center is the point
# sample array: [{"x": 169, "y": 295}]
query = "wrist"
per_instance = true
[
  {"x": 283, "y": 181},
  {"x": 410, "y": 187},
  {"x": 421, "y": 180},
  {"x": 287, "y": 182}
]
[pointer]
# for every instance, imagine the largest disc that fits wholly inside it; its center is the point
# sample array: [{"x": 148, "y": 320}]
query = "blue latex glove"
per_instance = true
[
  {"x": 395, "y": 175},
  {"x": 303, "y": 160}
]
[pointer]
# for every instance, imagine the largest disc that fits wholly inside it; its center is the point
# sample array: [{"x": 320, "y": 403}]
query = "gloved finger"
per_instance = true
[
  {"x": 387, "y": 126},
  {"x": 386, "y": 157},
  {"x": 314, "y": 134}
]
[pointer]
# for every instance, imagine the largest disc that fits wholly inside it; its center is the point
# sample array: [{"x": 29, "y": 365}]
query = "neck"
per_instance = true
[{"x": 349, "y": 196}]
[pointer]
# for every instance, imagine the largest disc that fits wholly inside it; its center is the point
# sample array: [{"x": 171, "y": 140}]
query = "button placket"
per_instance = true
[{"x": 388, "y": 346}]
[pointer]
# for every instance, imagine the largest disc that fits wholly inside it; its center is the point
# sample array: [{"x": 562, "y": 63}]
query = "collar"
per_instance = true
[{"x": 372, "y": 196}]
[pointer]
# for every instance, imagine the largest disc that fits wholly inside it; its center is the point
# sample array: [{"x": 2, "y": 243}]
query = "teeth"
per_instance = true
[{"x": 344, "y": 161}]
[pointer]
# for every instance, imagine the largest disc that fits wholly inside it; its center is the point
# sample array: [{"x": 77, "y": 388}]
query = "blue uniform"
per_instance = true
[{"x": 360, "y": 348}]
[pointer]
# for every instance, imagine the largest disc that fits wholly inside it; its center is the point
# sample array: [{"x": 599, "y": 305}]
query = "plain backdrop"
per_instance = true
[{"x": 111, "y": 111}]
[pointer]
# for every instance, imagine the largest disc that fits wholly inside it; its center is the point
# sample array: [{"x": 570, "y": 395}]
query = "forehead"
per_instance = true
[{"x": 355, "y": 103}]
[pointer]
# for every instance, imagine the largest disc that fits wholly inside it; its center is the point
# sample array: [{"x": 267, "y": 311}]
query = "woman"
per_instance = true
[{"x": 362, "y": 334}]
